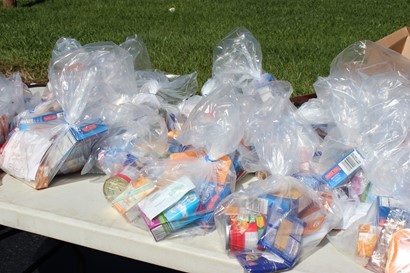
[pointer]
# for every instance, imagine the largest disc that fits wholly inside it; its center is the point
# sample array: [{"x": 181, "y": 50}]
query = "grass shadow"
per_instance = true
[{"x": 32, "y": 3}]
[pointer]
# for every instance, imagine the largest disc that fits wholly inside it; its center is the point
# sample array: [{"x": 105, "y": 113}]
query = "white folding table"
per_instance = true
[{"x": 73, "y": 209}]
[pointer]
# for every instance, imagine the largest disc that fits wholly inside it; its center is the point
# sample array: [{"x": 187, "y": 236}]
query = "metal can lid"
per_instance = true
[{"x": 113, "y": 187}]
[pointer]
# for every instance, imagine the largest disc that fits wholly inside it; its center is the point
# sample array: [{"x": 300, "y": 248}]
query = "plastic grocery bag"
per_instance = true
[
  {"x": 79, "y": 77},
  {"x": 137, "y": 132},
  {"x": 283, "y": 141},
  {"x": 214, "y": 124},
  {"x": 177, "y": 196},
  {"x": 364, "y": 155},
  {"x": 265, "y": 225},
  {"x": 170, "y": 88},
  {"x": 237, "y": 60},
  {"x": 136, "y": 47},
  {"x": 12, "y": 102}
]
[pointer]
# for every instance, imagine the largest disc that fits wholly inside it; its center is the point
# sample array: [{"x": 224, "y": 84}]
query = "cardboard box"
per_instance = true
[{"x": 398, "y": 41}]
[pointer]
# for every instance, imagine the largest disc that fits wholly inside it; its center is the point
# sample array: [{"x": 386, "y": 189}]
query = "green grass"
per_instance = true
[{"x": 299, "y": 38}]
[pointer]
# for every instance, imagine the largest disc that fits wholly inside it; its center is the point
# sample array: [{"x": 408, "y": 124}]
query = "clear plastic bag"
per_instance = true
[
  {"x": 77, "y": 76},
  {"x": 86, "y": 81},
  {"x": 171, "y": 88},
  {"x": 237, "y": 60},
  {"x": 11, "y": 102},
  {"x": 214, "y": 124},
  {"x": 274, "y": 217},
  {"x": 177, "y": 196},
  {"x": 136, "y": 47},
  {"x": 136, "y": 131},
  {"x": 238, "y": 57},
  {"x": 282, "y": 140}
]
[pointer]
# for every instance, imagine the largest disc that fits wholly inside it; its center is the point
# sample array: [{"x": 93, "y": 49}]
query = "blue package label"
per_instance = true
[
  {"x": 211, "y": 194},
  {"x": 43, "y": 118},
  {"x": 342, "y": 170},
  {"x": 87, "y": 130}
]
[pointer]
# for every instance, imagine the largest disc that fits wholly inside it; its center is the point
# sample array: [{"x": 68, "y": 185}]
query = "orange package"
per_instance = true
[
  {"x": 398, "y": 257},
  {"x": 367, "y": 240}
]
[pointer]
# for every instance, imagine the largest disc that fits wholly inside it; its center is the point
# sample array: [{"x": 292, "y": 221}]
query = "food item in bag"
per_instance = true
[
  {"x": 118, "y": 183},
  {"x": 244, "y": 231},
  {"x": 174, "y": 218},
  {"x": 283, "y": 235},
  {"x": 399, "y": 252},
  {"x": 367, "y": 240},
  {"x": 397, "y": 220}
]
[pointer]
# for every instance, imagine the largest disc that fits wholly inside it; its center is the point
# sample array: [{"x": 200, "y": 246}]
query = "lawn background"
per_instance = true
[{"x": 299, "y": 38}]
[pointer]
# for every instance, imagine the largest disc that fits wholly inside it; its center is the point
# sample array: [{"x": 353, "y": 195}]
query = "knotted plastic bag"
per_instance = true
[
  {"x": 265, "y": 225},
  {"x": 177, "y": 196}
]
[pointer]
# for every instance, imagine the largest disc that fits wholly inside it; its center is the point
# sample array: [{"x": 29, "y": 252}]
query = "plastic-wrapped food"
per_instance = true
[
  {"x": 84, "y": 80},
  {"x": 396, "y": 220},
  {"x": 177, "y": 196},
  {"x": 35, "y": 153},
  {"x": 363, "y": 106},
  {"x": 136, "y": 131},
  {"x": 268, "y": 222}
]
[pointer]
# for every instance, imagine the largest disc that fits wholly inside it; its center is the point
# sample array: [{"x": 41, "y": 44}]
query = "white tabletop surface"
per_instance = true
[{"x": 73, "y": 209}]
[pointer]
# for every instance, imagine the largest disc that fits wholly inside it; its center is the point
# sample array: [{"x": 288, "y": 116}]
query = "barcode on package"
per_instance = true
[
  {"x": 351, "y": 163},
  {"x": 347, "y": 166}
]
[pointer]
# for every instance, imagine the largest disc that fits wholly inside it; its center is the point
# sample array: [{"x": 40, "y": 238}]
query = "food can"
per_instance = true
[{"x": 244, "y": 231}]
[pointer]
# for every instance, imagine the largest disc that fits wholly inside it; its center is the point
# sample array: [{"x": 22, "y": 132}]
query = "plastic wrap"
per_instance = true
[
  {"x": 363, "y": 106},
  {"x": 282, "y": 140},
  {"x": 237, "y": 60},
  {"x": 137, "y": 131},
  {"x": 86, "y": 81},
  {"x": 172, "y": 89},
  {"x": 265, "y": 225},
  {"x": 215, "y": 124},
  {"x": 177, "y": 196},
  {"x": 11, "y": 102},
  {"x": 136, "y": 47}
]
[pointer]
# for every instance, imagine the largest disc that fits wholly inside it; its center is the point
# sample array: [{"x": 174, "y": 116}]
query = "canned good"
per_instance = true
[
  {"x": 244, "y": 231},
  {"x": 117, "y": 184},
  {"x": 114, "y": 186}
]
